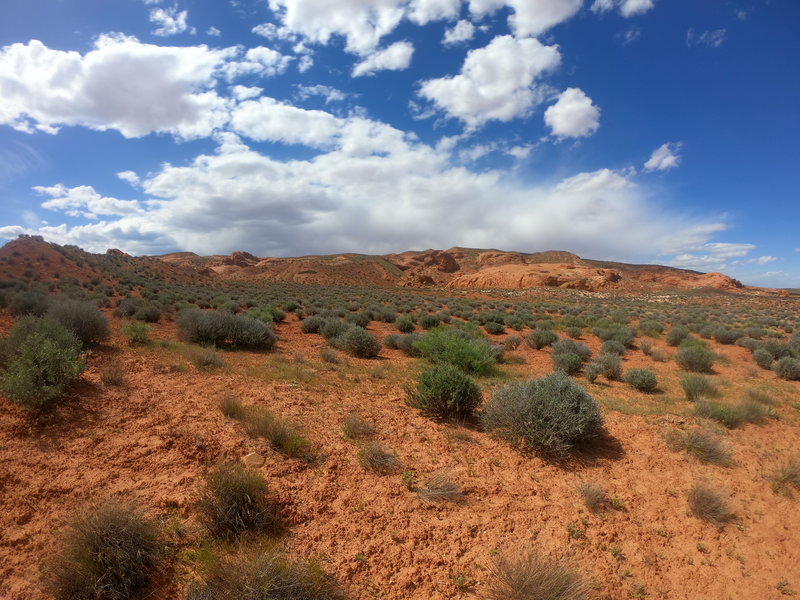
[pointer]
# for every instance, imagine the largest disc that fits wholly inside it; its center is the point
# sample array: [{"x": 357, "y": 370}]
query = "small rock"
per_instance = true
[{"x": 254, "y": 459}]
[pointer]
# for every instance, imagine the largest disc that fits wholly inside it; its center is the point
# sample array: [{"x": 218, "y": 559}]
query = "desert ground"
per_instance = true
[{"x": 143, "y": 421}]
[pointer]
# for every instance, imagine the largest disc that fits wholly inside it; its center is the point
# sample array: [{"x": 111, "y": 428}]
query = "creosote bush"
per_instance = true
[
  {"x": 643, "y": 380},
  {"x": 529, "y": 576},
  {"x": 550, "y": 414},
  {"x": 444, "y": 391},
  {"x": 236, "y": 501},
  {"x": 109, "y": 551},
  {"x": 265, "y": 574},
  {"x": 44, "y": 358}
]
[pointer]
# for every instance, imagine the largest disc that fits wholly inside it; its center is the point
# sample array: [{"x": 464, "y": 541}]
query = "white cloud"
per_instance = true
[
  {"x": 520, "y": 152},
  {"x": 497, "y": 82},
  {"x": 629, "y": 36},
  {"x": 664, "y": 157},
  {"x": 84, "y": 201},
  {"x": 169, "y": 21},
  {"x": 573, "y": 115},
  {"x": 305, "y": 63},
  {"x": 712, "y": 39},
  {"x": 129, "y": 176},
  {"x": 258, "y": 61},
  {"x": 627, "y": 8},
  {"x": 741, "y": 14},
  {"x": 120, "y": 84},
  {"x": 396, "y": 57},
  {"x": 711, "y": 256},
  {"x": 213, "y": 32},
  {"x": 460, "y": 32},
  {"x": 529, "y": 17},
  {"x": 762, "y": 260},
  {"x": 331, "y": 94}
]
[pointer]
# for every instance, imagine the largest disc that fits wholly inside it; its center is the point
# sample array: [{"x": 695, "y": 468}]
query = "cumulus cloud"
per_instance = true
[
  {"x": 462, "y": 31},
  {"x": 396, "y": 57},
  {"x": 529, "y": 17},
  {"x": 711, "y": 256},
  {"x": 130, "y": 176},
  {"x": 213, "y": 31},
  {"x": 330, "y": 94},
  {"x": 373, "y": 188},
  {"x": 664, "y": 157},
  {"x": 258, "y": 61},
  {"x": 573, "y": 115},
  {"x": 169, "y": 21},
  {"x": 84, "y": 201},
  {"x": 120, "y": 84},
  {"x": 627, "y": 8},
  {"x": 711, "y": 39},
  {"x": 497, "y": 82}
]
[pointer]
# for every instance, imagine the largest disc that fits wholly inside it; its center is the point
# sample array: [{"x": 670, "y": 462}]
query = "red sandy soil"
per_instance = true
[{"x": 154, "y": 439}]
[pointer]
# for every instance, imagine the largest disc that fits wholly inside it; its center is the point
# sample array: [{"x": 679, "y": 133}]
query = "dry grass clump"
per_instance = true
[
  {"x": 704, "y": 444},
  {"x": 529, "y": 576},
  {"x": 232, "y": 407},
  {"x": 265, "y": 575},
  {"x": 282, "y": 435},
  {"x": 595, "y": 495},
  {"x": 761, "y": 396},
  {"x": 109, "y": 551},
  {"x": 440, "y": 487},
  {"x": 236, "y": 501},
  {"x": 787, "y": 477},
  {"x": 204, "y": 358},
  {"x": 697, "y": 387},
  {"x": 377, "y": 460},
  {"x": 708, "y": 504},
  {"x": 735, "y": 415},
  {"x": 113, "y": 375},
  {"x": 355, "y": 427}
]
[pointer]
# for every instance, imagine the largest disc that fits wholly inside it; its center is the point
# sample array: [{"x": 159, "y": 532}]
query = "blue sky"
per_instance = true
[{"x": 633, "y": 130}]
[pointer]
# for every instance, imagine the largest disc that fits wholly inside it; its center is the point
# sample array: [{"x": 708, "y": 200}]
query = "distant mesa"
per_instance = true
[{"x": 454, "y": 268}]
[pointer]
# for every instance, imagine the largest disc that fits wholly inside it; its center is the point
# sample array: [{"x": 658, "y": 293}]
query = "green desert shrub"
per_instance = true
[
  {"x": 265, "y": 574},
  {"x": 550, "y": 414},
  {"x": 724, "y": 335},
  {"x": 359, "y": 343},
  {"x": 333, "y": 328},
  {"x": 762, "y": 358},
  {"x": 235, "y": 501},
  {"x": 469, "y": 352},
  {"x": 29, "y": 303},
  {"x": 148, "y": 313},
  {"x": 404, "y": 324},
  {"x": 220, "y": 328},
  {"x": 445, "y": 392},
  {"x": 83, "y": 319},
  {"x": 695, "y": 359},
  {"x": 612, "y": 347},
  {"x": 539, "y": 338},
  {"x": 620, "y": 333},
  {"x": 529, "y": 576},
  {"x": 406, "y": 343},
  {"x": 651, "y": 328},
  {"x": 312, "y": 324},
  {"x": 137, "y": 333},
  {"x": 788, "y": 368},
  {"x": 109, "y": 551},
  {"x": 607, "y": 365},
  {"x": 429, "y": 321},
  {"x": 44, "y": 358},
  {"x": 359, "y": 319},
  {"x": 568, "y": 363},
  {"x": 643, "y": 380},
  {"x": 676, "y": 335},
  {"x": 572, "y": 347},
  {"x": 697, "y": 387},
  {"x": 494, "y": 328}
]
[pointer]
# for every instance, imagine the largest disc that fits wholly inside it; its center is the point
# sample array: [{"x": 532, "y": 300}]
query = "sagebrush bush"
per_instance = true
[
  {"x": 444, "y": 391},
  {"x": 788, "y": 368},
  {"x": 551, "y": 414},
  {"x": 236, "y": 501},
  {"x": 220, "y": 328},
  {"x": 539, "y": 338},
  {"x": 572, "y": 347},
  {"x": 406, "y": 341},
  {"x": 619, "y": 333},
  {"x": 265, "y": 575},
  {"x": 109, "y": 551},
  {"x": 643, "y": 380},
  {"x": 568, "y": 363},
  {"x": 404, "y": 324},
  {"x": 607, "y": 365},
  {"x": 676, "y": 335},
  {"x": 494, "y": 328},
  {"x": 429, "y": 321},
  {"x": 312, "y": 324},
  {"x": 456, "y": 347},
  {"x": 696, "y": 387},
  {"x": 529, "y": 576},
  {"x": 695, "y": 359},
  {"x": 359, "y": 343},
  {"x": 762, "y": 358},
  {"x": 28, "y": 303},
  {"x": 83, "y": 319},
  {"x": 725, "y": 335},
  {"x": 512, "y": 342},
  {"x": 613, "y": 347},
  {"x": 44, "y": 358}
]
